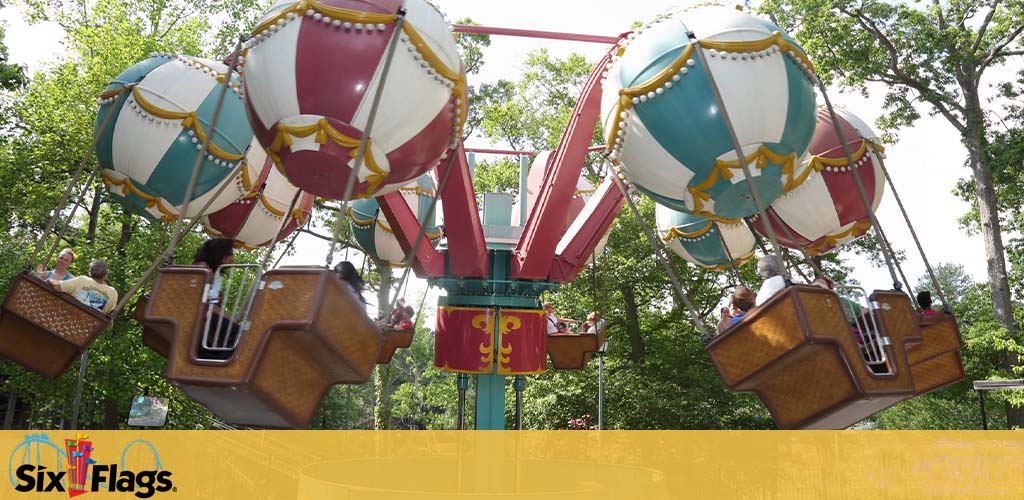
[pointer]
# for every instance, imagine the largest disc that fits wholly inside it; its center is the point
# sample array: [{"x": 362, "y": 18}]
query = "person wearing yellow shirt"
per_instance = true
[{"x": 91, "y": 290}]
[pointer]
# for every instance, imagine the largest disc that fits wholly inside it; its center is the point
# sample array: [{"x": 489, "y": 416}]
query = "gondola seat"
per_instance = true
[
  {"x": 173, "y": 306},
  {"x": 935, "y": 361},
  {"x": 798, "y": 354},
  {"x": 44, "y": 329},
  {"x": 393, "y": 340},
  {"x": 306, "y": 333},
  {"x": 573, "y": 351}
]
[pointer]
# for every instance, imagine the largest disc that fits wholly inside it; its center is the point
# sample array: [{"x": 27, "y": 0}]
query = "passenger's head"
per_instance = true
[
  {"x": 549, "y": 307},
  {"x": 594, "y": 317},
  {"x": 743, "y": 298},
  {"x": 768, "y": 266},
  {"x": 215, "y": 253},
  {"x": 98, "y": 270},
  {"x": 400, "y": 303},
  {"x": 65, "y": 257},
  {"x": 347, "y": 272},
  {"x": 409, "y": 312},
  {"x": 823, "y": 282},
  {"x": 924, "y": 299}
]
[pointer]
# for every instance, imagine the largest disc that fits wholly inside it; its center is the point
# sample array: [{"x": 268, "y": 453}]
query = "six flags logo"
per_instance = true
[{"x": 84, "y": 475}]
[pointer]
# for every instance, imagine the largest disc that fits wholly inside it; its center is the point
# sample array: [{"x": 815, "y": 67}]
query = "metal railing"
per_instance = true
[
  {"x": 228, "y": 303},
  {"x": 860, "y": 315}
]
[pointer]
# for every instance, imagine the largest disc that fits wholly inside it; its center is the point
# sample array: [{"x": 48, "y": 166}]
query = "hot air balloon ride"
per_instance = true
[
  {"x": 663, "y": 124},
  {"x": 375, "y": 236},
  {"x": 825, "y": 181},
  {"x": 261, "y": 215},
  {"x": 703, "y": 242},
  {"x": 163, "y": 108},
  {"x": 311, "y": 74}
]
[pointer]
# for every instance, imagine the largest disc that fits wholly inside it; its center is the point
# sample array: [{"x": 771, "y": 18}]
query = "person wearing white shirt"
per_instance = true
[
  {"x": 550, "y": 318},
  {"x": 769, "y": 269}
]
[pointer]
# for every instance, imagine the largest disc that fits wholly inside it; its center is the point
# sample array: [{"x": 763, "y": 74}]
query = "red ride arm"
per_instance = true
[
  {"x": 533, "y": 255},
  {"x": 586, "y": 232},
  {"x": 467, "y": 250},
  {"x": 428, "y": 261}
]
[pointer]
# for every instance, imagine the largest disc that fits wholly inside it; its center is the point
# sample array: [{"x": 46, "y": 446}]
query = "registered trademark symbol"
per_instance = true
[{"x": 174, "y": 489}]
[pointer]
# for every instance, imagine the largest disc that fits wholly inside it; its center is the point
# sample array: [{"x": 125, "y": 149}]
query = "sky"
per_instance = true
[{"x": 925, "y": 162}]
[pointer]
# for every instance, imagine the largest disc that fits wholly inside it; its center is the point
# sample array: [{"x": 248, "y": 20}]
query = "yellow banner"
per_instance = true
[{"x": 534, "y": 465}]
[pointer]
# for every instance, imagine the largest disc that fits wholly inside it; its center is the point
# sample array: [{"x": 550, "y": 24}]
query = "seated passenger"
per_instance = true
[
  {"x": 91, "y": 290},
  {"x": 397, "y": 312},
  {"x": 60, "y": 271},
  {"x": 348, "y": 273},
  {"x": 768, "y": 268},
  {"x": 405, "y": 319},
  {"x": 928, "y": 315},
  {"x": 550, "y": 319},
  {"x": 741, "y": 302},
  {"x": 851, "y": 309},
  {"x": 214, "y": 253},
  {"x": 593, "y": 324}
]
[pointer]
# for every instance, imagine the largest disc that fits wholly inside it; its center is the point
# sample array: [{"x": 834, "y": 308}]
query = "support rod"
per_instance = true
[
  {"x": 740, "y": 156},
  {"x": 550, "y": 35}
]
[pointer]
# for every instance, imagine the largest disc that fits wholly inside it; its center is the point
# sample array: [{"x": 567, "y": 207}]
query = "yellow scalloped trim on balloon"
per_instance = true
[
  {"x": 775, "y": 39},
  {"x": 722, "y": 267},
  {"x": 341, "y": 14},
  {"x": 114, "y": 92},
  {"x": 831, "y": 240},
  {"x": 818, "y": 163},
  {"x": 357, "y": 221},
  {"x": 384, "y": 227},
  {"x": 354, "y": 16},
  {"x": 674, "y": 232},
  {"x": 129, "y": 187},
  {"x": 188, "y": 120},
  {"x": 723, "y": 169},
  {"x": 418, "y": 191},
  {"x": 324, "y": 131}
]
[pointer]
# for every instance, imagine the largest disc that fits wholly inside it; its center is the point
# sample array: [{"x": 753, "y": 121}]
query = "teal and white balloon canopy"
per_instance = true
[
  {"x": 162, "y": 111},
  {"x": 664, "y": 127},
  {"x": 700, "y": 240},
  {"x": 374, "y": 235}
]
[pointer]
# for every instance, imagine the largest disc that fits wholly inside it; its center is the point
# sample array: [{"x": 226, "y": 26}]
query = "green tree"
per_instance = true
[{"x": 937, "y": 53}]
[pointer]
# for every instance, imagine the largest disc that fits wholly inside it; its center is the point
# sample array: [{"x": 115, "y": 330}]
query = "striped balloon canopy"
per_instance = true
[
  {"x": 373, "y": 233},
  {"x": 664, "y": 127},
  {"x": 823, "y": 207},
  {"x": 265, "y": 196},
  {"x": 709, "y": 244},
  {"x": 312, "y": 71},
  {"x": 162, "y": 108}
]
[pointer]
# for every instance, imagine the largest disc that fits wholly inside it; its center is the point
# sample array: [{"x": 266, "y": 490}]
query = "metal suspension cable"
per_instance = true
[
  {"x": 740, "y": 156},
  {"x": 67, "y": 221},
  {"x": 291, "y": 242},
  {"x": 179, "y": 230},
  {"x": 452, "y": 151},
  {"x": 913, "y": 233},
  {"x": 360, "y": 157},
  {"x": 74, "y": 181},
  {"x": 790, "y": 261},
  {"x": 166, "y": 256},
  {"x": 886, "y": 251},
  {"x": 728, "y": 254},
  {"x": 895, "y": 261},
  {"x": 658, "y": 253},
  {"x": 795, "y": 265},
  {"x": 280, "y": 229}
]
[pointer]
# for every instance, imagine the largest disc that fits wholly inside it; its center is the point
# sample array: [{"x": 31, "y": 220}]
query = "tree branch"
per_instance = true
[
  {"x": 942, "y": 17},
  {"x": 984, "y": 27},
  {"x": 997, "y": 51},
  {"x": 904, "y": 78}
]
